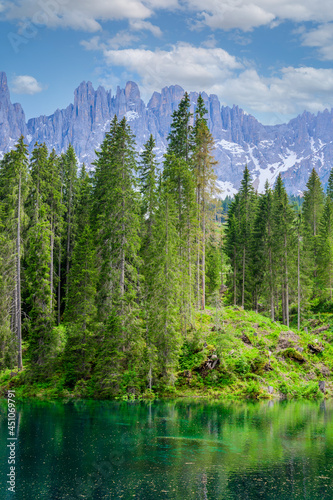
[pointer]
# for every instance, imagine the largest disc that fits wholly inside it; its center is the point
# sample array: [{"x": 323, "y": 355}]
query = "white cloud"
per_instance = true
[
  {"x": 25, "y": 84},
  {"x": 217, "y": 14},
  {"x": 183, "y": 64},
  {"x": 249, "y": 14},
  {"x": 140, "y": 25},
  {"x": 77, "y": 14},
  {"x": 283, "y": 96},
  {"x": 215, "y": 71},
  {"x": 322, "y": 39}
]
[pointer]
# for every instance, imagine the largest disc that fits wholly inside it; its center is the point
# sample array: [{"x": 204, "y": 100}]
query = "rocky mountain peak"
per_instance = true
[
  {"x": 4, "y": 90},
  {"x": 291, "y": 149}
]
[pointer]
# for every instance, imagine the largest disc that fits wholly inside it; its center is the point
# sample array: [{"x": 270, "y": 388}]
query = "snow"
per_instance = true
[
  {"x": 131, "y": 115},
  {"x": 226, "y": 189},
  {"x": 272, "y": 171},
  {"x": 231, "y": 146},
  {"x": 29, "y": 138}
]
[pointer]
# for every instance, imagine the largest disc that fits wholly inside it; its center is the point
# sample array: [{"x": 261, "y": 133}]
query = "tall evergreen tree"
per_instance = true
[
  {"x": 80, "y": 311},
  {"x": 285, "y": 243},
  {"x": 179, "y": 178},
  {"x": 164, "y": 299},
  {"x": 263, "y": 253},
  {"x": 325, "y": 247},
  {"x": 205, "y": 181},
  {"x": 312, "y": 210},
  {"x": 14, "y": 186},
  {"x": 116, "y": 221}
]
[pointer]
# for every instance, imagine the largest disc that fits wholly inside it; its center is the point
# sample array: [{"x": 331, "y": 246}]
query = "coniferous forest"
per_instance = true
[{"x": 109, "y": 278}]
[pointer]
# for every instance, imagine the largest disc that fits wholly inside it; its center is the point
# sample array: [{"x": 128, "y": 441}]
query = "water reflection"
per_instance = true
[{"x": 172, "y": 450}]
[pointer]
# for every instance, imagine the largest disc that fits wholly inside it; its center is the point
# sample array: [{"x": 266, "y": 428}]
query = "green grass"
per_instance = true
[{"x": 251, "y": 358}]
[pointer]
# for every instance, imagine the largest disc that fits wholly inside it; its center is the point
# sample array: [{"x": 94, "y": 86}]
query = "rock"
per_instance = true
[
  {"x": 321, "y": 329},
  {"x": 321, "y": 384},
  {"x": 293, "y": 354},
  {"x": 299, "y": 349},
  {"x": 286, "y": 339},
  {"x": 325, "y": 371},
  {"x": 316, "y": 349},
  {"x": 255, "y": 334},
  {"x": 270, "y": 389},
  {"x": 239, "y": 138},
  {"x": 246, "y": 339}
]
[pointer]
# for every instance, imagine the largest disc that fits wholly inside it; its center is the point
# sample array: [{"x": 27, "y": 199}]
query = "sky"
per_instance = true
[{"x": 273, "y": 58}]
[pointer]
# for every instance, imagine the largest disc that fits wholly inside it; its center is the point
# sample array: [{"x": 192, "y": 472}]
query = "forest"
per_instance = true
[{"x": 106, "y": 276}]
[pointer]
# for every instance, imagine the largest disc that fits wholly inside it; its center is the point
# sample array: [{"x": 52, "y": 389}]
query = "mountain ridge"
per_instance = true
[{"x": 292, "y": 149}]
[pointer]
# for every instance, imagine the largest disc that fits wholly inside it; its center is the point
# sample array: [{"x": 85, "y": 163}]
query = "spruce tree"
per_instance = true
[
  {"x": 116, "y": 225},
  {"x": 285, "y": 243},
  {"x": 80, "y": 310},
  {"x": 247, "y": 206},
  {"x": 325, "y": 247},
  {"x": 205, "y": 181},
  {"x": 179, "y": 179},
  {"x": 312, "y": 210},
  {"x": 14, "y": 186},
  {"x": 263, "y": 253},
  {"x": 164, "y": 299}
]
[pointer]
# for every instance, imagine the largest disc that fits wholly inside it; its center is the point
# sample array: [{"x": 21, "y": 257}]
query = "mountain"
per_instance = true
[{"x": 291, "y": 149}]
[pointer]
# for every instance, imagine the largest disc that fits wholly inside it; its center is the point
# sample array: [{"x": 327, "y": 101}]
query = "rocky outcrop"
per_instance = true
[
  {"x": 12, "y": 118},
  {"x": 291, "y": 150}
]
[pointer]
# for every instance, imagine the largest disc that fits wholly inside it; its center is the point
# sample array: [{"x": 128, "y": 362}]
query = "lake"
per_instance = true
[{"x": 170, "y": 450}]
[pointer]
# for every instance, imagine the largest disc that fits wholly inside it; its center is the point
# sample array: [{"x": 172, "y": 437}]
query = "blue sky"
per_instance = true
[{"x": 273, "y": 58}]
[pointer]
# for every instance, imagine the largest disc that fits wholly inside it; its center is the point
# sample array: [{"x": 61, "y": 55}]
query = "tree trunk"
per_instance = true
[
  {"x": 271, "y": 284},
  {"x": 243, "y": 281},
  {"x": 18, "y": 278},
  {"x": 235, "y": 288},
  {"x": 298, "y": 284},
  {"x": 51, "y": 268},
  {"x": 286, "y": 280},
  {"x": 203, "y": 298}
]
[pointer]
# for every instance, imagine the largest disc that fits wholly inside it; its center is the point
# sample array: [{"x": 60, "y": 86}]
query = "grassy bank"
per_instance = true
[{"x": 235, "y": 354}]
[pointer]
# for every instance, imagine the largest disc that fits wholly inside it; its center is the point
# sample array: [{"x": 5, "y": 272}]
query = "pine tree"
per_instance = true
[
  {"x": 263, "y": 253},
  {"x": 247, "y": 204},
  {"x": 80, "y": 311},
  {"x": 8, "y": 343},
  {"x": 285, "y": 243},
  {"x": 41, "y": 315},
  {"x": 205, "y": 182},
  {"x": 14, "y": 186},
  {"x": 311, "y": 213},
  {"x": 148, "y": 183},
  {"x": 325, "y": 247},
  {"x": 164, "y": 299},
  {"x": 116, "y": 225},
  {"x": 232, "y": 239},
  {"x": 179, "y": 178},
  {"x": 329, "y": 190}
]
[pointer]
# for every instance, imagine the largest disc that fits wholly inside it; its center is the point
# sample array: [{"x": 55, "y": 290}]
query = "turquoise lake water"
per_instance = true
[{"x": 170, "y": 450}]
